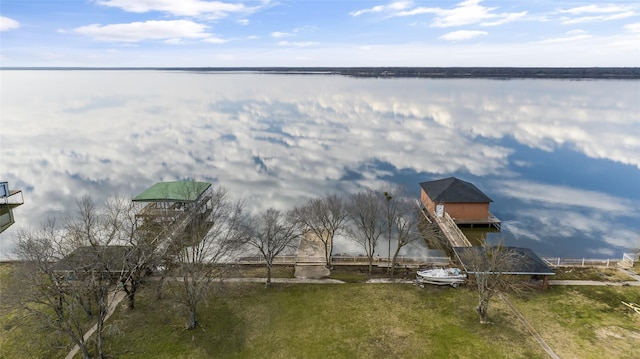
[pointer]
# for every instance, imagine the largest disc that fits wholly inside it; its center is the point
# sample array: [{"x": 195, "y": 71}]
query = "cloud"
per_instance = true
[
  {"x": 464, "y": 13},
  {"x": 598, "y": 18},
  {"x": 7, "y": 23},
  {"x": 297, "y": 43},
  {"x": 590, "y": 9},
  {"x": 506, "y": 18},
  {"x": 462, "y": 35},
  {"x": 243, "y": 21},
  {"x": 215, "y": 40},
  {"x": 596, "y": 13},
  {"x": 149, "y": 30},
  {"x": 211, "y": 9},
  {"x": 392, "y": 7},
  {"x": 280, "y": 34},
  {"x": 467, "y": 12},
  {"x": 633, "y": 27},
  {"x": 570, "y": 36}
]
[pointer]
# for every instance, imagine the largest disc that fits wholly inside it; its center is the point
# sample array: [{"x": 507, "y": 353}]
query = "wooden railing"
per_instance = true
[
  {"x": 348, "y": 260},
  {"x": 628, "y": 259},
  {"x": 580, "y": 262}
]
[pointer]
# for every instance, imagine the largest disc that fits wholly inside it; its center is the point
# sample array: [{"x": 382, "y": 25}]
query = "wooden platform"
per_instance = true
[{"x": 491, "y": 221}]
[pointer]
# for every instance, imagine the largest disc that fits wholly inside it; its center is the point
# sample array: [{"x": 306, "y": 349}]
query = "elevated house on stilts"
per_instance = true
[{"x": 461, "y": 200}]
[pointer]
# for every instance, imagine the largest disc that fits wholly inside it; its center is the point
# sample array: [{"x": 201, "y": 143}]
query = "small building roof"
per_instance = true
[
  {"x": 176, "y": 191},
  {"x": 97, "y": 259},
  {"x": 530, "y": 264},
  {"x": 454, "y": 190}
]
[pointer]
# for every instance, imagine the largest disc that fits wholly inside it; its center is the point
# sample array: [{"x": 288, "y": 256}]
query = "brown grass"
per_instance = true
[{"x": 588, "y": 273}]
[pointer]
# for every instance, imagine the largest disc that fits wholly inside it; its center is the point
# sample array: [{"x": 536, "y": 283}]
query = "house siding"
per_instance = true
[
  {"x": 467, "y": 211},
  {"x": 459, "y": 211}
]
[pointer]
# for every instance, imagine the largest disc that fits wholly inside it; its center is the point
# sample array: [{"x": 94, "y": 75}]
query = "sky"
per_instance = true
[{"x": 186, "y": 33}]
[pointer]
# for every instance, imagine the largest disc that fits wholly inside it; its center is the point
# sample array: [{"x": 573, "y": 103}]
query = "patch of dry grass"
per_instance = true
[
  {"x": 585, "y": 322},
  {"x": 260, "y": 271},
  {"x": 590, "y": 273}
]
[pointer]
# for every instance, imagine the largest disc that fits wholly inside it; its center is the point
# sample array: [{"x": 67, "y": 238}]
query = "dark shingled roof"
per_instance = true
[
  {"x": 454, "y": 190},
  {"x": 100, "y": 258},
  {"x": 531, "y": 264}
]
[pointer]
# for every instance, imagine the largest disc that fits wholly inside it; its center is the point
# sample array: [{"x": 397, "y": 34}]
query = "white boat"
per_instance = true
[{"x": 441, "y": 276}]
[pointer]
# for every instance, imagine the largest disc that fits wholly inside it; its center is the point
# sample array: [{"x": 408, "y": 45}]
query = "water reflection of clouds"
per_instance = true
[
  {"x": 567, "y": 232},
  {"x": 593, "y": 220},
  {"x": 277, "y": 139},
  {"x": 564, "y": 196}
]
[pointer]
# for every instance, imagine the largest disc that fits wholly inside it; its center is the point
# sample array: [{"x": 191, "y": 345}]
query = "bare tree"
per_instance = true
[
  {"x": 100, "y": 259},
  {"x": 140, "y": 256},
  {"x": 491, "y": 268},
  {"x": 405, "y": 224},
  {"x": 367, "y": 221},
  {"x": 48, "y": 295},
  {"x": 325, "y": 217},
  {"x": 74, "y": 267},
  {"x": 211, "y": 237},
  {"x": 272, "y": 232}
]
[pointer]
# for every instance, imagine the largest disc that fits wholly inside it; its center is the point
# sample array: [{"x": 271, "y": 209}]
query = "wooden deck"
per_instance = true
[{"x": 491, "y": 221}]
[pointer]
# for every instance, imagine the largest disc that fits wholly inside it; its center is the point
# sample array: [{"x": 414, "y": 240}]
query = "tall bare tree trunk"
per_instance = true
[
  {"x": 85, "y": 352},
  {"x": 395, "y": 260},
  {"x": 103, "y": 309},
  {"x": 268, "y": 283},
  {"x": 483, "y": 311},
  {"x": 192, "y": 318}
]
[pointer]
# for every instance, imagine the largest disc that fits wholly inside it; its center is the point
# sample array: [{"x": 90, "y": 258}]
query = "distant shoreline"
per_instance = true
[{"x": 608, "y": 73}]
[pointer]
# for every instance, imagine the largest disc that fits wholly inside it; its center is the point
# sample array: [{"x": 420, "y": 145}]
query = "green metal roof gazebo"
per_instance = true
[{"x": 176, "y": 191}]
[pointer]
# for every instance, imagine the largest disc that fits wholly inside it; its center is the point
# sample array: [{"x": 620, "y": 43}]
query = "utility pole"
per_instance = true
[{"x": 388, "y": 197}]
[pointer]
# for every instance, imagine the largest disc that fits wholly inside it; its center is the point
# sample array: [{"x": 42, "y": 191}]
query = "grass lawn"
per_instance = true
[
  {"x": 21, "y": 335},
  {"x": 353, "y": 320},
  {"x": 585, "y": 322},
  {"x": 587, "y": 273},
  {"x": 320, "y": 321}
]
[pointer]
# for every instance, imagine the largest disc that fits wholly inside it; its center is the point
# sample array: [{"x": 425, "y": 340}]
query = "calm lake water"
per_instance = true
[{"x": 560, "y": 159}]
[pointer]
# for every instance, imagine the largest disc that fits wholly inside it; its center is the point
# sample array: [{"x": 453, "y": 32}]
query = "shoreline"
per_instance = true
[{"x": 505, "y": 73}]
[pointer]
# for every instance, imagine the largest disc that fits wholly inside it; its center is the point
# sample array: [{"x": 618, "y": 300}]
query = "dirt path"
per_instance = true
[
  {"x": 631, "y": 283},
  {"x": 114, "y": 299}
]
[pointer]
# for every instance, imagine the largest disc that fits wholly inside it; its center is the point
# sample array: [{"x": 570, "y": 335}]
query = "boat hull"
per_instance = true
[{"x": 448, "y": 276}]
